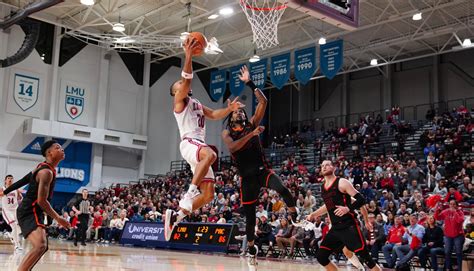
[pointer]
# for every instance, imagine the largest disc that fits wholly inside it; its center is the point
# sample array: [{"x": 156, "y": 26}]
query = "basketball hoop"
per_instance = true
[{"x": 263, "y": 16}]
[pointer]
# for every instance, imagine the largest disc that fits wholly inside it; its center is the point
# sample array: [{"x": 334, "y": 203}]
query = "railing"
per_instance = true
[{"x": 410, "y": 114}]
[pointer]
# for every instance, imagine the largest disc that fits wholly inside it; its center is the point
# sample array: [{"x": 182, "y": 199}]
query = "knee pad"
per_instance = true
[
  {"x": 365, "y": 257},
  {"x": 323, "y": 256}
]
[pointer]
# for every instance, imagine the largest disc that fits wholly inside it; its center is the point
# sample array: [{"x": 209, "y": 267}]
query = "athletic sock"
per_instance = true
[
  {"x": 252, "y": 250},
  {"x": 181, "y": 215},
  {"x": 192, "y": 188}
]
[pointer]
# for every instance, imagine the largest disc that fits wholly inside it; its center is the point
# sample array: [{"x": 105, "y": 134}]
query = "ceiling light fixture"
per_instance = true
[
  {"x": 417, "y": 16},
  {"x": 322, "y": 41},
  {"x": 374, "y": 62},
  {"x": 466, "y": 43},
  {"x": 254, "y": 58},
  {"x": 88, "y": 2},
  {"x": 119, "y": 27},
  {"x": 213, "y": 16},
  {"x": 226, "y": 11},
  {"x": 125, "y": 40}
]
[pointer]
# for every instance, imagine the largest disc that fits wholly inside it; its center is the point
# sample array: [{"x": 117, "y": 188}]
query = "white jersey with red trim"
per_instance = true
[
  {"x": 191, "y": 121},
  {"x": 10, "y": 201}
]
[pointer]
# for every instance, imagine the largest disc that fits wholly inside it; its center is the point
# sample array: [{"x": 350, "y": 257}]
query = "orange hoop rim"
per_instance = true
[{"x": 280, "y": 7}]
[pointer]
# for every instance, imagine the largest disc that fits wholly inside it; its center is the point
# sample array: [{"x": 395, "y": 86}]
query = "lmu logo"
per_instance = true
[{"x": 74, "y": 101}]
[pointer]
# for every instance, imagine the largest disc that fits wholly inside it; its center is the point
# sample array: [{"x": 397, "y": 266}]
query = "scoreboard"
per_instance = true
[{"x": 203, "y": 234}]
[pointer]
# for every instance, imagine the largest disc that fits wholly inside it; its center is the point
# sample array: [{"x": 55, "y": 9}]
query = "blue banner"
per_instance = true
[
  {"x": 331, "y": 58},
  {"x": 74, "y": 171},
  {"x": 217, "y": 85},
  {"x": 258, "y": 74},
  {"x": 235, "y": 84},
  {"x": 305, "y": 64},
  {"x": 143, "y": 234},
  {"x": 280, "y": 70}
]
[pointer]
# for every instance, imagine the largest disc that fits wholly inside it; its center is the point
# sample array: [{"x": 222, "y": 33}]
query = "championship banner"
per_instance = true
[
  {"x": 331, "y": 58},
  {"x": 235, "y": 84},
  {"x": 75, "y": 103},
  {"x": 258, "y": 74},
  {"x": 305, "y": 64},
  {"x": 217, "y": 85},
  {"x": 25, "y": 93},
  {"x": 280, "y": 70}
]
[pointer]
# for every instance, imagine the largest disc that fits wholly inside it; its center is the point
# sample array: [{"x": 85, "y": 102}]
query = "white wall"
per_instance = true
[{"x": 124, "y": 100}]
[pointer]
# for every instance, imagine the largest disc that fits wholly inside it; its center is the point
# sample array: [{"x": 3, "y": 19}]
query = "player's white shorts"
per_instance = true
[
  {"x": 9, "y": 216},
  {"x": 190, "y": 148}
]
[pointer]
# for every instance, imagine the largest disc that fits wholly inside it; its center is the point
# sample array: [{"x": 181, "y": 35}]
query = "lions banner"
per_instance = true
[
  {"x": 25, "y": 93},
  {"x": 280, "y": 71},
  {"x": 331, "y": 58},
  {"x": 218, "y": 84},
  {"x": 305, "y": 64}
]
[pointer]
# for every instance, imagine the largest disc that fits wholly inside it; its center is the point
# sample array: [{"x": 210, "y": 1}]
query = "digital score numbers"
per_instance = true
[{"x": 202, "y": 234}]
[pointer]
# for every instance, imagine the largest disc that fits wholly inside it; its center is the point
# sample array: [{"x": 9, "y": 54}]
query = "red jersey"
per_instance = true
[{"x": 395, "y": 234}]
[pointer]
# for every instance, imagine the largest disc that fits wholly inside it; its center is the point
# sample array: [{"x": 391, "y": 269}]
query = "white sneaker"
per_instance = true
[
  {"x": 253, "y": 258},
  {"x": 170, "y": 222}
]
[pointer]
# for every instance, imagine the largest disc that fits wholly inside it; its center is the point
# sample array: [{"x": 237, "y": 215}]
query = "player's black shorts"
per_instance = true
[
  {"x": 250, "y": 185},
  {"x": 350, "y": 237},
  {"x": 30, "y": 216}
]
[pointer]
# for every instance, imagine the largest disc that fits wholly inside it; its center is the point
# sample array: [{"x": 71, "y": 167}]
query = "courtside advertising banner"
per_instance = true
[
  {"x": 143, "y": 234},
  {"x": 235, "y": 84},
  {"x": 305, "y": 64},
  {"x": 280, "y": 70},
  {"x": 217, "y": 85},
  {"x": 331, "y": 58}
]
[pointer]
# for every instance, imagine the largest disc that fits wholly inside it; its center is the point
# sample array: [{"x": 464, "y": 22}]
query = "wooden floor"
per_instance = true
[{"x": 62, "y": 255}]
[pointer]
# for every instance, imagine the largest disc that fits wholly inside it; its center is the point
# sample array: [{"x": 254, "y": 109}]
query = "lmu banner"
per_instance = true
[{"x": 75, "y": 103}]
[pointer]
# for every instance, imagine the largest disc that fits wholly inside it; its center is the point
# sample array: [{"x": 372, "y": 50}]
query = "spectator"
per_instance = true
[
  {"x": 263, "y": 233},
  {"x": 414, "y": 235},
  {"x": 453, "y": 232},
  {"x": 278, "y": 204},
  {"x": 367, "y": 192},
  {"x": 261, "y": 212},
  {"x": 96, "y": 225},
  {"x": 374, "y": 238},
  {"x": 292, "y": 238},
  {"x": 221, "y": 219},
  {"x": 440, "y": 188},
  {"x": 432, "y": 244},
  {"x": 453, "y": 194},
  {"x": 311, "y": 199},
  {"x": 394, "y": 238}
]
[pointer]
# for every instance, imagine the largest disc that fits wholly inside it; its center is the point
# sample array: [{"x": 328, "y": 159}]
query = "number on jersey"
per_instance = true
[{"x": 201, "y": 120}]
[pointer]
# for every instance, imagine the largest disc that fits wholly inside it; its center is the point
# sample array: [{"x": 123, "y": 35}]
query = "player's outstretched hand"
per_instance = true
[
  {"x": 63, "y": 222},
  {"x": 189, "y": 45},
  {"x": 244, "y": 74},
  {"x": 234, "y": 105},
  {"x": 258, "y": 130},
  {"x": 341, "y": 210}
]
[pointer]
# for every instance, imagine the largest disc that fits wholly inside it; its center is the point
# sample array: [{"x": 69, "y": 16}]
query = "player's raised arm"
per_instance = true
[
  {"x": 180, "y": 89},
  {"x": 262, "y": 100},
  {"x": 219, "y": 114}
]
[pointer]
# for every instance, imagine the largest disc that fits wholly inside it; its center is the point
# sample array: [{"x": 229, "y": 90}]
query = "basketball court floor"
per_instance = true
[{"x": 62, "y": 255}]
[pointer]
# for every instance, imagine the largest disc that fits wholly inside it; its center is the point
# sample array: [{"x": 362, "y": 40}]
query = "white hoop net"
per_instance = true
[{"x": 263, "y": 16}]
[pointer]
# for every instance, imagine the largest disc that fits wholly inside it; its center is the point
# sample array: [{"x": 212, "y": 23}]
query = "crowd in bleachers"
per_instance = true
[{"x": 418, "y": 207}]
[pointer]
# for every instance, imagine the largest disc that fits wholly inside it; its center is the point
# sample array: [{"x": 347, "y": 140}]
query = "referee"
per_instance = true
[{"x": 83, "y": 213}]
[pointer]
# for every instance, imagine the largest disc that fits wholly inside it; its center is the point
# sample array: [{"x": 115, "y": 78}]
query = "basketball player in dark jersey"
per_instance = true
[
  {"x": 337, "y": 194},
  {"x": 242, "y": 139},
  {"x": 30, "y": 212}
]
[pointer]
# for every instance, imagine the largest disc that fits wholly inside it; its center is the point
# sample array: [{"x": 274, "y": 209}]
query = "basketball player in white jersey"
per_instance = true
[
  {"x": 190, "y": 115},
  {"x": 9, "y": 206}
]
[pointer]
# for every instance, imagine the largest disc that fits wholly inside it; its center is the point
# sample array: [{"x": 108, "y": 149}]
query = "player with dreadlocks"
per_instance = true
[{"x": 242, "y": 138}]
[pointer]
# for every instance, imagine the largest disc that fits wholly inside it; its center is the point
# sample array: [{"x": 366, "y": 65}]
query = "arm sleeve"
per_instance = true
[
  {"x": 359, "y": 202},
  {"x": 251, "y": 85},
  {"x": 20, "y": 183}
]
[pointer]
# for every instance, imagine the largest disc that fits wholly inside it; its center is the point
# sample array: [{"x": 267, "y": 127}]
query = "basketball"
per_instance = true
[{"x": 202, "y": 41}]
